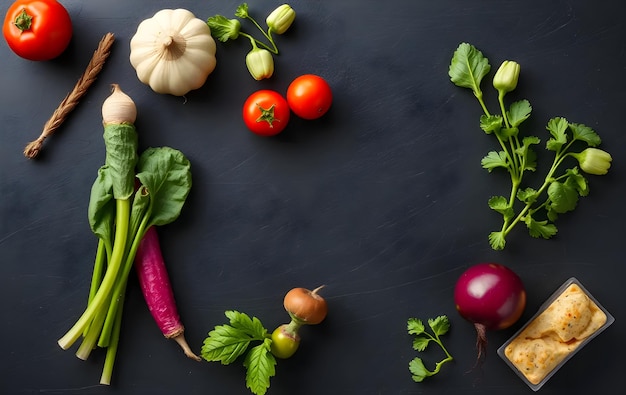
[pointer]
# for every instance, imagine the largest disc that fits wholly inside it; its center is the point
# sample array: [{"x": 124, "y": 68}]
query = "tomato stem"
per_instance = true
[
  {"x": 23, "y": 21},
  {"x": 267, "y": 115}
]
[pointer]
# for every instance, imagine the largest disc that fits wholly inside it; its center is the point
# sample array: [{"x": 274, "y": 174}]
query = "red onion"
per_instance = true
[{"x": 491, "y": 296}]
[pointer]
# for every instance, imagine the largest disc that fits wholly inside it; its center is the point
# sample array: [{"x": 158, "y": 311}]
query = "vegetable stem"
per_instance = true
[
  {"x": 120, "y": 287},
  {"x": 121, "y": 233},
  {"x": 479, "y": 95},
  {"x": 267, "y": 35},
  {"x": 91, "y": 336},
  {"x": 109, "y": 360},
  {"x": 508, "y": 226},
  {"x": 255, "y": 42}
]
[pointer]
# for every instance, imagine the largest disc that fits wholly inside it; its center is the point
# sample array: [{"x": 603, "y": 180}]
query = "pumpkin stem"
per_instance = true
[{"x": 173, "y": 46}]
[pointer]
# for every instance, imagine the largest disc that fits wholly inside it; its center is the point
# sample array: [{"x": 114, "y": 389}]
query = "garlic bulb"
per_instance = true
[
  {"x": 173, "y": 52},
  {"x": 118, "y": 108}
]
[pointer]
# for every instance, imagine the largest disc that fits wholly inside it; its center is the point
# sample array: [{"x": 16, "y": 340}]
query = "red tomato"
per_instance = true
[
  {"x": 266, "y": 112},
  {"x": 37, "y": 29},
  {"x": 309, "y": 96}
]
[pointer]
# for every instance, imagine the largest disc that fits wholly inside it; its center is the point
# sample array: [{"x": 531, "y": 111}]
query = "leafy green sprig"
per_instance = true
[
  {"x": 224, "y": 29},
  {"x": 423, "y": 338},
  {"x": 560, "y": 191},
  {"x": 226, "y": 343}
]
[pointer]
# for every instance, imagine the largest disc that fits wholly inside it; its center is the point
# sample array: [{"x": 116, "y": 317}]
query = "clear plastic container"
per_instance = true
[{"x": 563, "y": 325}]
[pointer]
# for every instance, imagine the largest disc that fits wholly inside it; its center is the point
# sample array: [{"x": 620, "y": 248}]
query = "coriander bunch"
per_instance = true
[{"x": 539, "y": 207}]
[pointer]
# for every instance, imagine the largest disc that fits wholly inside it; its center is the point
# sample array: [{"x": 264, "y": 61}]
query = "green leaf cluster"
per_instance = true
[
  {"x": 539, "y": 207},
  {"x": 120, "y": 212},
  {"x": 226, "y": 343},
  {"x": 224, "y": 29},
  {"x": 439, "y": 327}
]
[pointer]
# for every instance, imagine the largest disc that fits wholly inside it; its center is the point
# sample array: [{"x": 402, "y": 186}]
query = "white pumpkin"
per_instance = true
[{"x": 173, "y": 52}]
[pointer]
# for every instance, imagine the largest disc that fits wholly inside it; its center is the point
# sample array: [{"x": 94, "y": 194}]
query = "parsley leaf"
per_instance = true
[
  {"x": 260, "y": 367},
  {"x": 226, "y": 343},
  {"x": 439, "y": 327}
]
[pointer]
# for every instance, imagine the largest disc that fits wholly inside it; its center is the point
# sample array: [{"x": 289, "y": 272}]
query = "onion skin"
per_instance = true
[
  {"x": 306, "y": 306},
  {"x": 492, "y": 297},
  {"x": 490, "y": 294}
]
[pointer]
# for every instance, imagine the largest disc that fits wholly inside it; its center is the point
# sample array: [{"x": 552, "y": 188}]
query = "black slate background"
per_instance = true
[{"x": 383, "y": 200}]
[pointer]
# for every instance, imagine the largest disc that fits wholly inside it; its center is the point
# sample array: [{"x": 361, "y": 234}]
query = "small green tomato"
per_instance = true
[{"x": 284, "y": 344}]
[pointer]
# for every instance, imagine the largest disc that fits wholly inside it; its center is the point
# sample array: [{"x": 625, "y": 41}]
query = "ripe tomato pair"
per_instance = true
[
  {"x": 266, "y": 112},
  {"x": 37, "y": 29}
]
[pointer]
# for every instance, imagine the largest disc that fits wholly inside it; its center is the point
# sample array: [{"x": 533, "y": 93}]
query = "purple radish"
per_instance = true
[{"x": 157, "y": 290}]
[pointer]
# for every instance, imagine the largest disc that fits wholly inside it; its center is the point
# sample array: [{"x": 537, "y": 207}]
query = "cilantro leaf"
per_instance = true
[
  {"x": 495, "y": 159},
  {"x": 527, "y": 195},
  {"x": 577, "y": 181},
  {"x": 439, "y": 326},
  {"x": 585, "y": 133},
  {"x": 501, "y": 205},
  {"x": 538, "y": 229},
  {"x": 242, "y": 11},
  {"x": 525, "y": 151},
  {"x": 415, "y": 326},
  {"x": 506, "y": 133},
  {"x": 468, "y": 67},
  {"x": 260, "y": 366},
  {"x": 418, "y": 370},
  {"x": 497, "y": 240},
  {"x": 519, "y": 112},
  {"x": 490, "y": 123},
  {"x": 420, "y": 343},
  {"x": 563, "y": 197},
  {"x": 557, "y": 128}
]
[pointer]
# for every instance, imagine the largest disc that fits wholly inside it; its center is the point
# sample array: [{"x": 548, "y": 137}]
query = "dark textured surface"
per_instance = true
[{"x": 383, "y": 200}]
